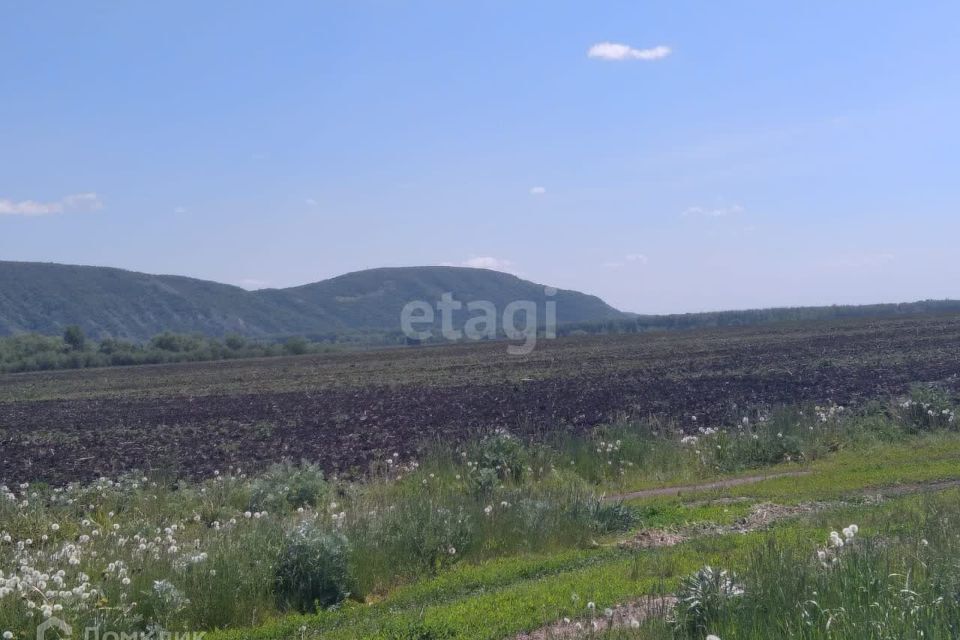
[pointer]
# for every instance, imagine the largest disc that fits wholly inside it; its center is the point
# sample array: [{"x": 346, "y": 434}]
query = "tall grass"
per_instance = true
[
  {"x": 900, "y": 580},
  {"x": 157, "y": 553}
]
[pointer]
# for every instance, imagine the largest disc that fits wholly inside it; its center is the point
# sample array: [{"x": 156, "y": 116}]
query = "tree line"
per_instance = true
[{"x": 74, "y": 350}]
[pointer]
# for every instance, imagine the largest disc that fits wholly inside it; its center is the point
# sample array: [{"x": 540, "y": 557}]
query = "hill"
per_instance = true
[
  {"x": 374, "y": 299},
  {"x": 108, "y": 302}
]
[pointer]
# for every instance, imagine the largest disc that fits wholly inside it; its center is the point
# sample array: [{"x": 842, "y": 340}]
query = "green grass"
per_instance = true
[
  {"x": 925, "y": 459},
  {"x": 482, "y": 542},
  {"x": 508, "y": 596},
  {"x": 666, "y": 513}
]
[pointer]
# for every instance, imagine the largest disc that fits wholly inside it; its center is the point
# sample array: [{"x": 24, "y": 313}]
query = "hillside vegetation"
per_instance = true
[
  {"x": 360, "y": 307},
  {"x": 104, "y": 302}
]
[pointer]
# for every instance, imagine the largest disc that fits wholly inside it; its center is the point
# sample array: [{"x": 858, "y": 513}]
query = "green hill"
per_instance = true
[
  {"x": 45, "y": 298},
  {"x": 374, "y": 299}
]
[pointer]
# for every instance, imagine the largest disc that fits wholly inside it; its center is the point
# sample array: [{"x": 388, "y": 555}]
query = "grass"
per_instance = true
[
  {"x": 495, "y": 537},
  {"x": 923, "y": 459},
  {"x": 513, "y": 599}
]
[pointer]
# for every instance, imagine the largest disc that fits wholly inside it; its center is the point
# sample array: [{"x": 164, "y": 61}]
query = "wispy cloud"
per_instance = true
[
  {"x": 310, "y": 202},
  {"x": 630, "y": 258},
  {"x": 619, "y": 52},
  {"x": 76, "y": 202},
  {"x": 538, "y": 191},
  {"x": 487, "y": 262},
  {"x": 180, "y": 209},
  {"x": 714, "y": 212}
]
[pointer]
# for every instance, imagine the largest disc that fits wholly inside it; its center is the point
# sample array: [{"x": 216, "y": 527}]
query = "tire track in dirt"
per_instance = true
[
  {"x": 706, "y": 486},
  {"x": 761, "y": 516}
]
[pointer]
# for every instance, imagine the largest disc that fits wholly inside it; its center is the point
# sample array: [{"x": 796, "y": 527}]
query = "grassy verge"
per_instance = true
[
  {"x": 498, "y": 536},
  {"x": 514, "y": 599}
]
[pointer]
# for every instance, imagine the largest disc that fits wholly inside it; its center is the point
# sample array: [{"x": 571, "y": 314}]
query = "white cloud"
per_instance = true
[
  {"x": 618, "y": 52},
  {"x": 310, "y": 202},
  {"x": 487, "y": 262},
  {"x": 72, "y": 203},
  {"x": 630, "y": 258},
  {"x": 179, "y": 209},
  {"x": 537, "y": 191},
  {"x": 714, "y": 212}
]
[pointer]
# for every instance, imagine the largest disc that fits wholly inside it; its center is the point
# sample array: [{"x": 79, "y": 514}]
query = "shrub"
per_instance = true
[
  {"x": 286, "y": 485},
  {"x": 501, "y": 454},
  {"x": 312, "y": 570},
  {"x": 704, "y": 597},
  {"x": 296, "y": 346},
  {"x": 928, "y": 409},
  {"x": 610, "y": 517}
]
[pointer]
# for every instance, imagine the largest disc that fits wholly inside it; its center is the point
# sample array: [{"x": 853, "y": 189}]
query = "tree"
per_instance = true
[
  {"x": 235, "y": 342},
  {"x": 296, "y": 346},
  {"x": 74, "y": 338}
]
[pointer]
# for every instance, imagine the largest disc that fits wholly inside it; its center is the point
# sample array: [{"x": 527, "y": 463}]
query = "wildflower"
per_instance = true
[
  {"x": 452, "y": 551},
  {"x": 608, "y": 612},
  {"x": 712, "y": 637},
  {"x": 591, "y": 606},
  {"x": 8, "y": 635},
  {"x": 55, "y": 527},
  {"x": 488, "y": 509},
  {"x": 634, "y": 623},
  {"x": 835, "y": 539}
]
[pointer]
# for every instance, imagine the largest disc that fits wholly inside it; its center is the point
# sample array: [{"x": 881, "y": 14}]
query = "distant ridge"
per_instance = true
[{"x": 108, "y": 302}]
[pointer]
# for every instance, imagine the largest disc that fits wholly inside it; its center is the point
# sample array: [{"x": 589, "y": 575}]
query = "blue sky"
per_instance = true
[{"x": 765, "y": 154}]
